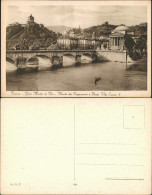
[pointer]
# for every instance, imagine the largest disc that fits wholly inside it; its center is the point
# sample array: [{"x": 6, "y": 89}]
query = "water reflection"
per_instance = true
[{"x": 44, "y": 63}]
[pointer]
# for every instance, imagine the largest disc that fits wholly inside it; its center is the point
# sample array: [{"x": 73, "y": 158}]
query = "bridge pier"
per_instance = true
[
  {"x": 94, "y": 58},
  {"x": 78, "y": 60},
  {"x": 57, "y": 61},
  {"x": 20, "y": 63}
]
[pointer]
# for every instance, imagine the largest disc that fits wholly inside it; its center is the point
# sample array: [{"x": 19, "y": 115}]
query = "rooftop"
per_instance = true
[{"x": 121, "y": 27}]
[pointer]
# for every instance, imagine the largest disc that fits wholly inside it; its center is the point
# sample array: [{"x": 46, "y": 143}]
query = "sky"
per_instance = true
[{"x": 75, "y": 15}]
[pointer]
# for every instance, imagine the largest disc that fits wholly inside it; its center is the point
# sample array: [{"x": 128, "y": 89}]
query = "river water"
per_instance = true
[{"x": 114, "y": 77}]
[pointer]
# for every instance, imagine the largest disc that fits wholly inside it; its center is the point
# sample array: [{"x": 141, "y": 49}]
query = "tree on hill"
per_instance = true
[
  {"x": 13, "y": 30},
  {"x": 36, "y": 36},
  {"x": 53, "y": 46},
  {"x": 140, "y": 29},
  {"x": 104, "y": 29}
]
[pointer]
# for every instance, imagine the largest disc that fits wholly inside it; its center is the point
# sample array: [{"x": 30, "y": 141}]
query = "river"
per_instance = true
[{"x": 114, "y": 77}]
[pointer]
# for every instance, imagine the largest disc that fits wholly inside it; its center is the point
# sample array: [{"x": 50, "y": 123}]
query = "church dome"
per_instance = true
[{"x": 122, "y": 27}]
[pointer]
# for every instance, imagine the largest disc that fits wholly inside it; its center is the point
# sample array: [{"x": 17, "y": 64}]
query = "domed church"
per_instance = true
[
  {"x": 30, "y": 21},
  {"x": 117, "y": 37}
]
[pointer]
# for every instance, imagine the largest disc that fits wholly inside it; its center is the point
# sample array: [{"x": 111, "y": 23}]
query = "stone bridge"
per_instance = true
[{"x": 21, "y": 57}]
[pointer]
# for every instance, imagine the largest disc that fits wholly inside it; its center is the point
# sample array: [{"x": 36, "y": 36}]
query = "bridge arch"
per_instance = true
[
  {"x": 69, "y": 54},
  {"x": 39, "y": 55},
  {"x": 87, "y": 54},
  {"x": 69, "y": 59},
  {"x": 10, "y": 60},
  {"x": 56, "y": 57}
]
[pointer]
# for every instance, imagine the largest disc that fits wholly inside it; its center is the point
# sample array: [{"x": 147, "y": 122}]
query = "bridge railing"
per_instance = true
[{"x": 49, "y": 50}]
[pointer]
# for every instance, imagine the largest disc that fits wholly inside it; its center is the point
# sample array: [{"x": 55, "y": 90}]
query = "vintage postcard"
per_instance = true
[
  {"x": 78, "y": 146},
  {"x": 76, "y": 48}
]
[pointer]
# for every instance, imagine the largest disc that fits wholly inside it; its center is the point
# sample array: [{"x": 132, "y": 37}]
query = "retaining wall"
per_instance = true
[{"x": 113, "y": 56}]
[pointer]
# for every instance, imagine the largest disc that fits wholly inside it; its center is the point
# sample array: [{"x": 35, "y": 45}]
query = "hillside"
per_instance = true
[
  {"x": 140, "y": 30},
  {"x": 59, "y": 29},
  {"x": 29, "y": 36},
  {"x": 100, "y": 30},
  {"x": 106, "y": 28},
  {"x": 13, "y": 30}
]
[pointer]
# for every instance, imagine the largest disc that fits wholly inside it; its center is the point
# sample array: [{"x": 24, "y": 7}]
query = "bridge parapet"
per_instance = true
[{"x": 48, "y": 51}]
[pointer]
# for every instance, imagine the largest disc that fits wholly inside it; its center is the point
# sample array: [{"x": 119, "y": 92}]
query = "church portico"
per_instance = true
[
  {"x": 117, "y": 37},
  {"x": 117, "y": 42}
]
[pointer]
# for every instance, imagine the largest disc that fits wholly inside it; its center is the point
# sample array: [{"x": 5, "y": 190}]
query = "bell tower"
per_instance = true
[
  {"x": 30, "y": 21},
  {"x": 31, "y": 18}
]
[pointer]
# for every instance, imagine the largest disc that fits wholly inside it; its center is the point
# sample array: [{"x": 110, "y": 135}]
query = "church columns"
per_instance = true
[{"x": 115, "y": 41}]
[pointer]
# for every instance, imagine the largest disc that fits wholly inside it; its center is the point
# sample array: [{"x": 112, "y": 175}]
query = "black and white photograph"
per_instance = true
[{"x": 81, "y": 46}]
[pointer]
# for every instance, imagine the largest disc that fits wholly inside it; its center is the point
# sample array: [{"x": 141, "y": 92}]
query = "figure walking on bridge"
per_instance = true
[{"x": 97, "y": 79}]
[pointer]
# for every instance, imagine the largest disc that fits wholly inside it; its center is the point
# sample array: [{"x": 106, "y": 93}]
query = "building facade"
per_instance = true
[
  {"x": 117, "y": 37},
  {"x": 78, "y": 43},
  {"x": 72, "y": 42},
  {"x": 67, "y": 43}
]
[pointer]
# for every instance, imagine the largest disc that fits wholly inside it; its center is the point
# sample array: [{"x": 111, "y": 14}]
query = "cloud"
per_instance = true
[{"x": 72, "y": 15}]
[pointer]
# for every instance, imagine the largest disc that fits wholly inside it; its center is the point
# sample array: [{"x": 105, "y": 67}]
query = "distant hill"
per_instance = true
[
  {"x": 59, "y": 29},
  {"x": 29, "y": 36},
  {"x": 140, "y": 30},
  {"x": 106, "y": 28},
  {"x": 100, "y": 30}
]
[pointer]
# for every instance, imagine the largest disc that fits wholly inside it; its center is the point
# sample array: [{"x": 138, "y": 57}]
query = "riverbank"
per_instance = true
[{"x": 140, "y": 65}]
